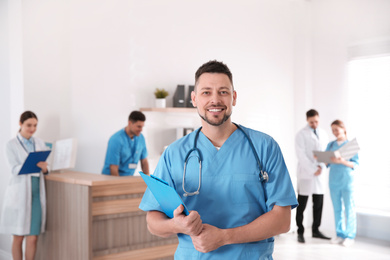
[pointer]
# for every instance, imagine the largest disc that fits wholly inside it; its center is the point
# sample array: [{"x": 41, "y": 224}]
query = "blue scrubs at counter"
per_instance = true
[{"x": 126, "y": 148}]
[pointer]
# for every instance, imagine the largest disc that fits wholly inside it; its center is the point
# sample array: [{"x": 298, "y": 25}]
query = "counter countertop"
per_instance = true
[{"x": 91, "y": 179}]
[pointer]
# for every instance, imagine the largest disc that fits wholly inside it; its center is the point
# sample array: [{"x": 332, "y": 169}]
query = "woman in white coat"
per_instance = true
[{"x": 24, "y": 207}]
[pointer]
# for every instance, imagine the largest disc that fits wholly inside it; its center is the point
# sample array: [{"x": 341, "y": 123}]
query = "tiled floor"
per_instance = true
[{"x": 287, "y": 248}]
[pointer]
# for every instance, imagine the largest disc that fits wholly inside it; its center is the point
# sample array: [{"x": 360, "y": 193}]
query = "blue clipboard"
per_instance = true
[
  {"x": 30, "y": 164},
  {"x": 165, "y": 195}
]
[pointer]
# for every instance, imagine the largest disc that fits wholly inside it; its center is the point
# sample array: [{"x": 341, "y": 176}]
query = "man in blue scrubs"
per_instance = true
[
  {"x": 234, "y": 215},
  {"x": 126, "y": 148}
]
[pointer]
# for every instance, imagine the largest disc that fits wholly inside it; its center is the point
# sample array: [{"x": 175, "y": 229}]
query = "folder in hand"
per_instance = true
[
  {"x": 30, "y": 164},
  {"x": 325, "y": 157},
  {"x": 346, "y": 151},
  {"x": 165, "y": 195}
]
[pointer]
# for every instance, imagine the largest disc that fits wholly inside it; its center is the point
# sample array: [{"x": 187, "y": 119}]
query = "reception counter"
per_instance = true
[{"x": 96, "y": 217}]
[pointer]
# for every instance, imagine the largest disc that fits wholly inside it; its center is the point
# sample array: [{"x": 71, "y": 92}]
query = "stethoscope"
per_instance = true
[
  {"x": 24, "y": 147},
  {"x": 263, "y": 175}
]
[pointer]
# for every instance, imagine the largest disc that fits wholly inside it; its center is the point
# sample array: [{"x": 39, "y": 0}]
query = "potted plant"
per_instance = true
[{"x": 161, "y": 95}]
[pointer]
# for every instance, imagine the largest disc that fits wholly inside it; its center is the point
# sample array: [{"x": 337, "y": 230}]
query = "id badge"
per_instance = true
[{"x": 132, "y": 166}]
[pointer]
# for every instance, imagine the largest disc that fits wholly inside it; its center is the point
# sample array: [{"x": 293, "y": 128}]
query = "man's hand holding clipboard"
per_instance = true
[{"x": 165, "y": 195}]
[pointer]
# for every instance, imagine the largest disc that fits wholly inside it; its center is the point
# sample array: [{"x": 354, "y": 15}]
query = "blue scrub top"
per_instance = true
[
  {"x": 341, "y": 176},
  {"x": 231, "y": 194},
  {"x": 122, "y": 151}
]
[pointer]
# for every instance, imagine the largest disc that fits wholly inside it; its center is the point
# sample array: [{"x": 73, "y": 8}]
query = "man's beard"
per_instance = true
[{"x": 223, "y": 120}]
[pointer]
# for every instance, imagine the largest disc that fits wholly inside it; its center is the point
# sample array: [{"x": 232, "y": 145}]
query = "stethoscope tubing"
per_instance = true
[
  {"x": 263, "y": 176},
  {"x": 24, "y": 147}
]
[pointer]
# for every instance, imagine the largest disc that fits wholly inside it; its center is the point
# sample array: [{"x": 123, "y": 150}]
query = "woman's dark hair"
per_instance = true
[
  {"x": 27, "y": 115},
  {"x": 340, "y": 124}
]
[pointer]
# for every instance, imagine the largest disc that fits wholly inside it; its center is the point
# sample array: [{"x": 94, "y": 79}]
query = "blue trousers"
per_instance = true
[
  {"x": 345, "y": 218},
  {"x": 36, "y": 209}
]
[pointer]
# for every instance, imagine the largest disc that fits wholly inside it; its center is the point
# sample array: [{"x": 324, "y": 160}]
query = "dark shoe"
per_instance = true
[
  {"x": 318, "y": 234},
  {"x": 301, "y": 239}
]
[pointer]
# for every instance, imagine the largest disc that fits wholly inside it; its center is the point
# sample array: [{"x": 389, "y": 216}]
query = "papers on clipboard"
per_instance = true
[
  {"x": 64, "y": 154},
  {"x": 30, "y": 164},
  {"x": 347, "y": 151},
  {"x": 165, "y": 195}
]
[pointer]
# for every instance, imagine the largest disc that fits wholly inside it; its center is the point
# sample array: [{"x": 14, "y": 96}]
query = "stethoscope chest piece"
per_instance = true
[{"x": 263, "y": 176}]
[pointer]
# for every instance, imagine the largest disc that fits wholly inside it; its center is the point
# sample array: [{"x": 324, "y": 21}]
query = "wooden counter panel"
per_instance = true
[
  {"x": 69, "y": 221},
  {"x": 118, "y": 189},
  {"x": 124, "y": 232},
  {"x": 115, "y": 206},
  {"x": 142, "y": 254}
]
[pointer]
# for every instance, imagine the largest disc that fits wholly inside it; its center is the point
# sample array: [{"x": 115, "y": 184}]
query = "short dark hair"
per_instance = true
[
  {"x": 27, "y": 115},
  {"x": 213, "y": 66},
  {"x": 311, "y": 113},
  {"x": 137, "y": 116}
]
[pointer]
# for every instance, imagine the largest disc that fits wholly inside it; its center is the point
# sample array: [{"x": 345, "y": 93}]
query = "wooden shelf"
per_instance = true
[{"x": 169, "y": 109}]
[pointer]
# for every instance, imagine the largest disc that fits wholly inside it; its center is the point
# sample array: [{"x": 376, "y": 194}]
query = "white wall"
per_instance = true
[
  {"x": 353, "y": 22},
  {"x": 46, "y": 60},
  {"x": 4, "y": 112},
  {"x": 95, "y": 61},
  {"x": 11, "y": 92}
]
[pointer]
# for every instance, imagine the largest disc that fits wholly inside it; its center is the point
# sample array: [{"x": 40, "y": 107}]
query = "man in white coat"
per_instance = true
[{"x": 310, "y": 173}]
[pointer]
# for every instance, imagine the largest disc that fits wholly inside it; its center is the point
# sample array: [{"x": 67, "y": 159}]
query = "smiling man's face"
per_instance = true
[{"x": 214, "y": 98}]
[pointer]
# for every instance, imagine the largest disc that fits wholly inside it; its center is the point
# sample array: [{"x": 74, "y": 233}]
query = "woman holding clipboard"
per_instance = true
[
  {"x": 24, "y": 207},
  {"x": 341, "y": 178}
]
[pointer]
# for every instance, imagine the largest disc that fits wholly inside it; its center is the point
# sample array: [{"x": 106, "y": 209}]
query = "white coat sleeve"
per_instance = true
[
  {"x": 41, "y": 146},
  {"x": 323, "y": 166},
  {"x": 308, "y": 166},
  {"x": 13, "y": 160},
  {"x": 324, "y": 143}
]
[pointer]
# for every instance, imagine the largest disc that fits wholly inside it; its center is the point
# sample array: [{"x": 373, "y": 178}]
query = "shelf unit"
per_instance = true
[{"x": 169, "y": 109}]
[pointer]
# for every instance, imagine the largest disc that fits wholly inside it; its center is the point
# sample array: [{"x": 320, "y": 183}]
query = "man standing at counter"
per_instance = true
[{"x": 126, "y": 148}]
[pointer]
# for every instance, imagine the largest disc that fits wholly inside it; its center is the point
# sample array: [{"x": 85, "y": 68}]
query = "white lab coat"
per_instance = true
[
  {"x": 305, "y": 143},
  {"x": 15, "y": 217}
]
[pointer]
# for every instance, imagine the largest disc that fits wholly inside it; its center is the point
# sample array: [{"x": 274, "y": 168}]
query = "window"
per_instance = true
[{"x": 369, "y": 113}]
